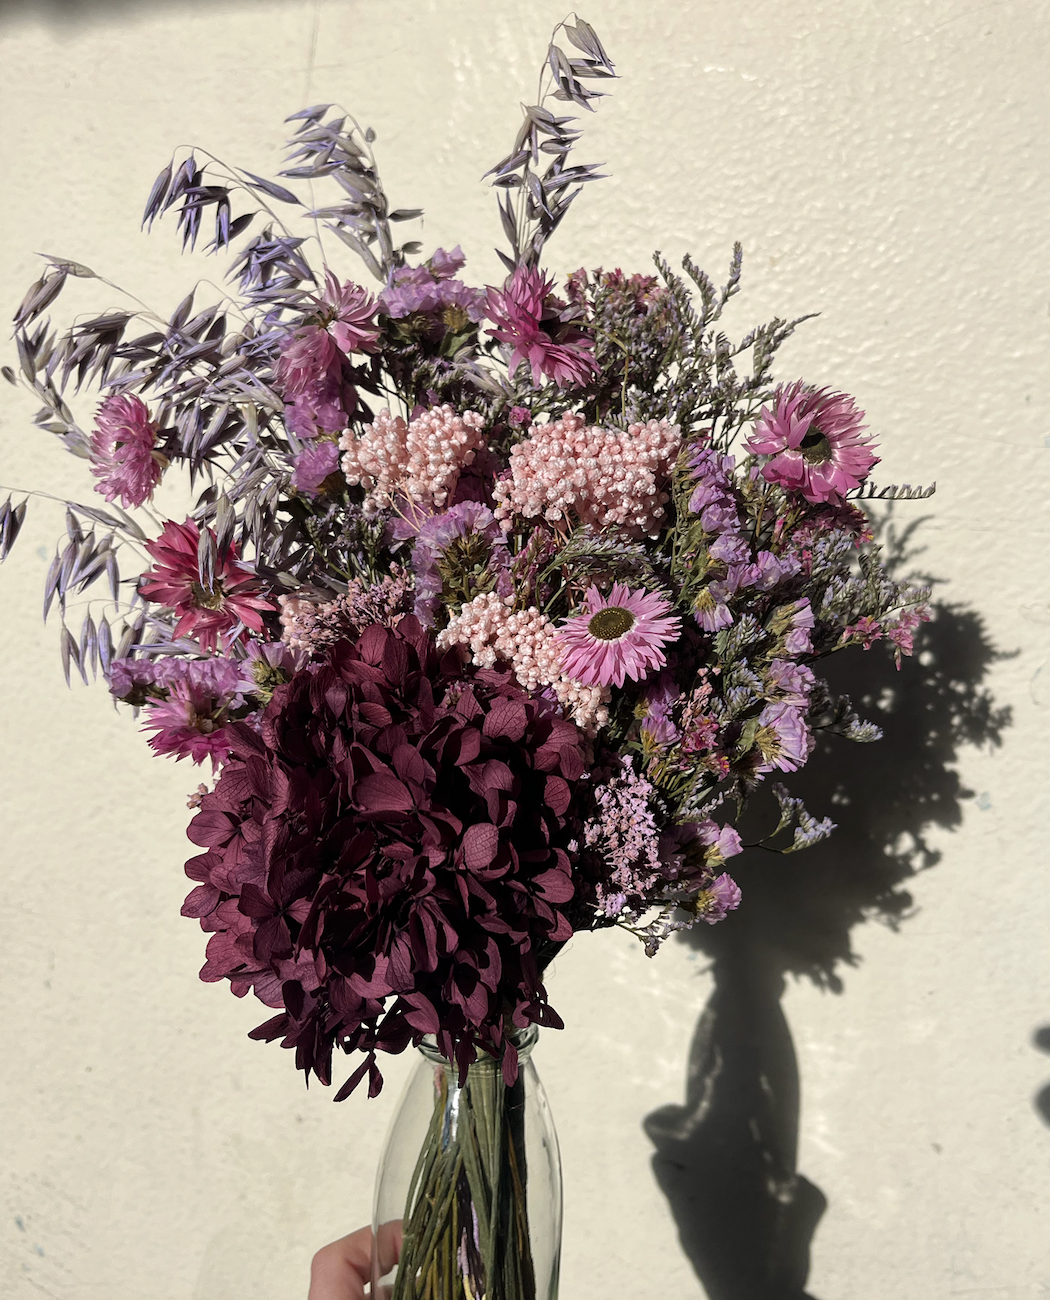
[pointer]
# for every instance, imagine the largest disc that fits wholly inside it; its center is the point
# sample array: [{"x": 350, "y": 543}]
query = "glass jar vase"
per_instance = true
[{"x": 468, "y": 1194}]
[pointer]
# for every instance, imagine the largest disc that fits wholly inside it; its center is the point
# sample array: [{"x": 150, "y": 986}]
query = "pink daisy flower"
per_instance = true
[
  {"x": 619, "y": 637},
  {"x": 816, "y": 441},
  {"x": 527, "y": 318},
  {"x": 204, "y": 613},
  {"x": 123, "y": 451}
]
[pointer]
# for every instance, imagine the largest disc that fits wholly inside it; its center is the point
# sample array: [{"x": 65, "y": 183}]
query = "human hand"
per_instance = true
[{"x": 342, "y": 1269}]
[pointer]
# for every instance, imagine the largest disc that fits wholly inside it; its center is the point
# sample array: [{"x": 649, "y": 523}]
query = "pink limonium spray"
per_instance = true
[
  {"x": 620, "y": 636},
  {"x": 124, "y": 455},
  {"x": 531, "y": 322},
  {"x": 816, "y": 442}
]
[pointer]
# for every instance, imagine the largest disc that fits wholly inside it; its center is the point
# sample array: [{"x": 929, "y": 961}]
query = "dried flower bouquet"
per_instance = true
[{"x": 494, "y": 606}]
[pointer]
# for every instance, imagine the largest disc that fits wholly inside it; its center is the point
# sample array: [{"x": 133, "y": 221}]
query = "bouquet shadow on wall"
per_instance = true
[{"x": 726, "y": 1159}]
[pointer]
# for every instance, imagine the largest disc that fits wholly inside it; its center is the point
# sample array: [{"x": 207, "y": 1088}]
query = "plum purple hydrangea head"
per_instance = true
[{"x": 463, "y": 808}]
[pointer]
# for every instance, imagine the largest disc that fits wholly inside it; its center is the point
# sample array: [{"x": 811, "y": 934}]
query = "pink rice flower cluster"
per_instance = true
[
  {"x": 619, "y": 636},
  {"x": 312, "y": 626},
  {"x": 539, "y": 331},
  {"x": 526, "y": 639},
  {"x": 207, "y": 614},
  {"x": 603, "y": 477},
  {"x": 123, "y": 453},
  {"x": 625, "y": 833},
  {"x": 420, "y": 461},
  {"x": 816, "y": 442}
]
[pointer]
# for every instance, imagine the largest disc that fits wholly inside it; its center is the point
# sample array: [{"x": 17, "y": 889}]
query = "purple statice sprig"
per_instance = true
[{"x": 805, "y": 829}]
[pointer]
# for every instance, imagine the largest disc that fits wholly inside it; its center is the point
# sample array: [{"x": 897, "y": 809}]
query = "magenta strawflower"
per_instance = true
[
  {"x": 619, "y": 637},
  {"x": 529, "y": 320},
  {"x": 205, "y": 613},
  {"x": 816, "y": 441},
  {"x": 124, "y": 457}
]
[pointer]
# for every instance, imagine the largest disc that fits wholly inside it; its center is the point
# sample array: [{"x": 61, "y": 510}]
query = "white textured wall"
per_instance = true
[{"x": 884, "y": 164}]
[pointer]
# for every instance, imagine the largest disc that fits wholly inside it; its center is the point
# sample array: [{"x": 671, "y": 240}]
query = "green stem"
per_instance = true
[{"x": 481, "y": 1161}]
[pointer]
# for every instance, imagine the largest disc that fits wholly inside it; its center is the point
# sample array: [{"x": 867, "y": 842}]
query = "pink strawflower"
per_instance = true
[
  {"x": 816, "y": 441},
  {"x": 420, "y": 461},
  {"x": 347, "y": 310},
  {"x": 529, "y": 320},
  {"x": 603, "y": 477},
  {"x": 124, "y": 458},
  {"x": 620, "y": 636},
  {"x": 205, "y": 613}
]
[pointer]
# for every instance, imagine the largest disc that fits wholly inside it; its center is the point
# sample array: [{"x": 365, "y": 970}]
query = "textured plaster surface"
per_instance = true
[{"x": 884, "y": 164}]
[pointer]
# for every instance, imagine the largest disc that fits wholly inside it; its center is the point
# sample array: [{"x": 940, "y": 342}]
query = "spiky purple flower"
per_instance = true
[
  {"x": 124, "y": 457},
  {"x": 534, "y": 325}
]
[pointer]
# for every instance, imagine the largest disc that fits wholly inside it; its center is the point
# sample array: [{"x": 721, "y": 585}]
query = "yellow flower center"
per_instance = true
[
  {"x": 208, "y": 597},
  {"x": 611, "y": 623}
]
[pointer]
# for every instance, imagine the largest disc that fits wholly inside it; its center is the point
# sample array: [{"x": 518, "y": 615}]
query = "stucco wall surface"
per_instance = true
[{"x": 885, "y": 165}]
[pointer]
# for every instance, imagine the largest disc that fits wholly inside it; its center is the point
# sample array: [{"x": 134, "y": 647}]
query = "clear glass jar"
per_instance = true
[{"x": 468, "y": 1194}]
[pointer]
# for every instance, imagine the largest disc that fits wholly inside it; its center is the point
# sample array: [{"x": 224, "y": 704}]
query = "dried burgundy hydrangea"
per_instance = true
[{"x": 387, "y": 856}]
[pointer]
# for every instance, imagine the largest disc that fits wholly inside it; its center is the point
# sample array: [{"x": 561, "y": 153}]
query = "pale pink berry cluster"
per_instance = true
[
  {"x": 603, "y": 477},
  {"x": 525, "y": 639},
  {"x": 420, "y": 460}
]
